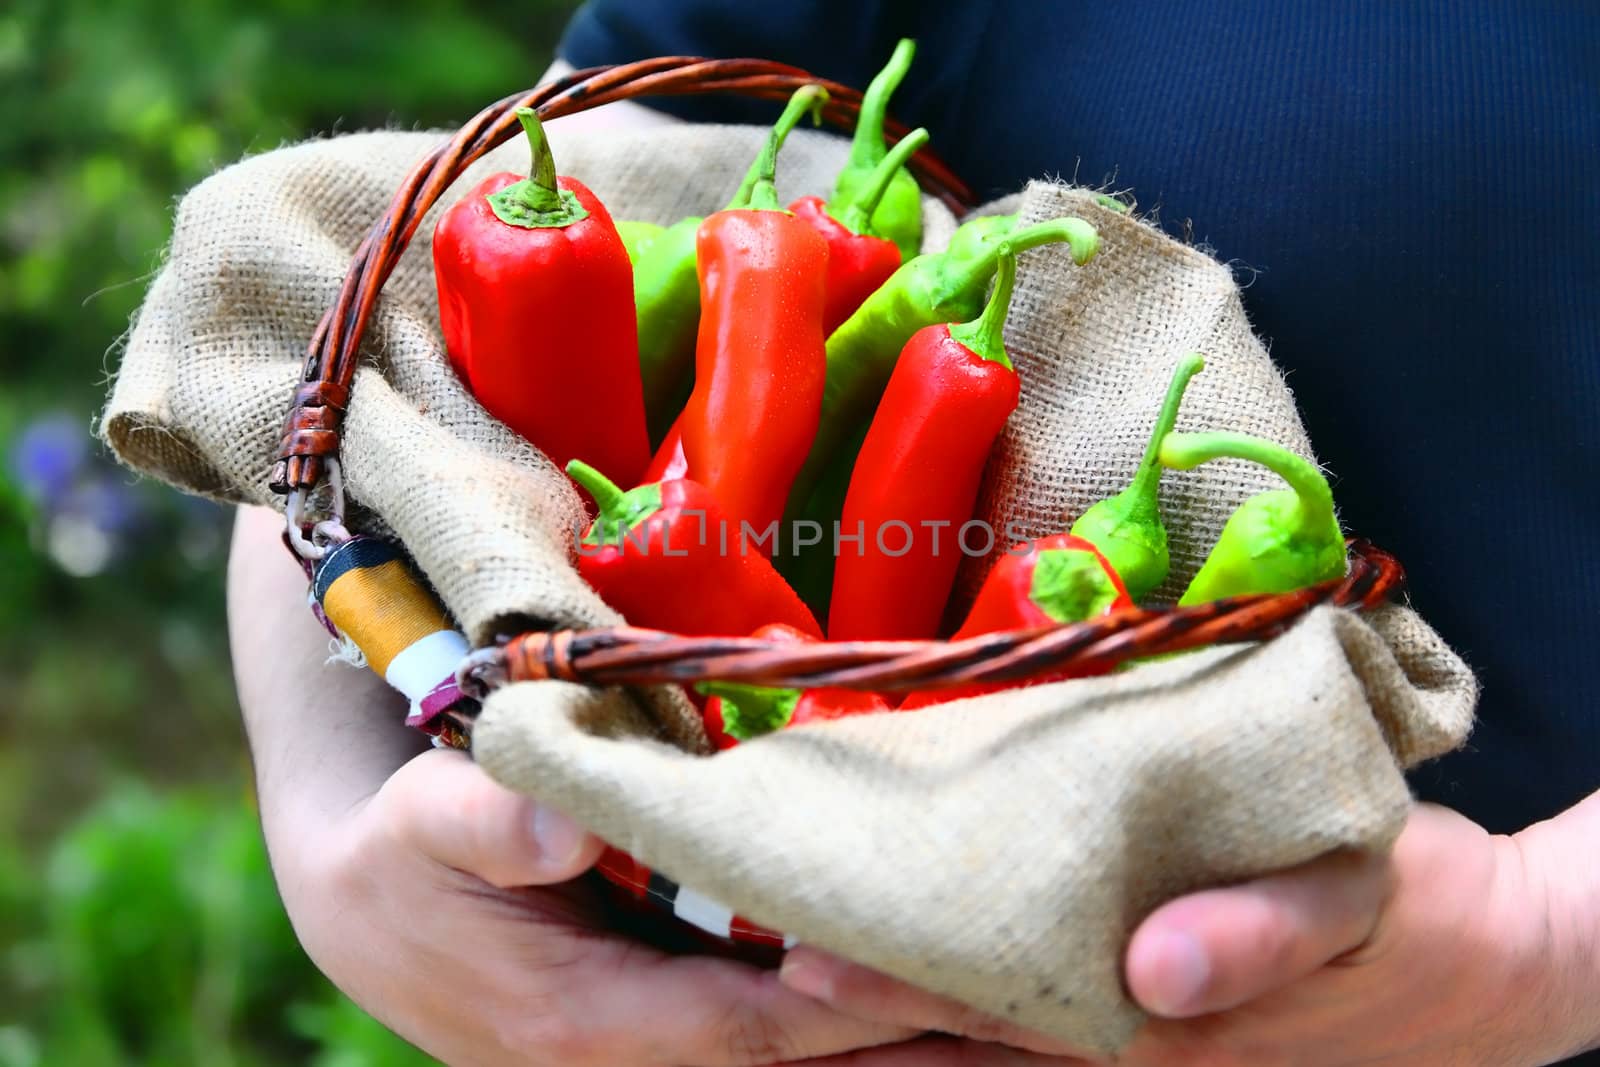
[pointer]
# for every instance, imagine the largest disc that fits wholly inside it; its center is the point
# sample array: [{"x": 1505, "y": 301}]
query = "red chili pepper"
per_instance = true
[
  {"x": 669, "y": 462},
  {"x": 759, "y": 358},
  {"x": 1060, "y": 578},
  {"x": 918, "y": 472},
  {"x": 536, "y": 304},
  {"x": 859, "y": 260},
  {"x": 736, "y": 712},
  {"x": 662, "y": 554}
]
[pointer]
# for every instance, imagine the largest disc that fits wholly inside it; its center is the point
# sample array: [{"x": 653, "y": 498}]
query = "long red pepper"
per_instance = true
[
  {"x": 916, "y": 478},
  {"x": 759, "y": 357},
  {"x": 536, "y": 304},
  {"x": 859, "y": 260},
  {"x": 669, "y": 462},
  {"x": 736, "y": 712},
  {"x": 1060, "y": 578},
  {"x": 656, "y": 554}
]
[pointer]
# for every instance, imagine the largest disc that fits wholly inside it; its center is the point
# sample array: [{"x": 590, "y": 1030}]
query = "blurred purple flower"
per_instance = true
[
  {"x": 47, "y": 456},
  {"x": 105, "y": 500}
]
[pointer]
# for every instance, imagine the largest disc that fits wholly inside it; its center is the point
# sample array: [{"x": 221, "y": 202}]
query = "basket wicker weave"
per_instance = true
[{"x": 623, "y": 655}]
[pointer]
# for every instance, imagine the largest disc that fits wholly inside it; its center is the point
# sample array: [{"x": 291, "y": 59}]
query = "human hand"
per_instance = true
[
  {"x": 1446, "y": 952},
  {"x": 407, "y": 872}
]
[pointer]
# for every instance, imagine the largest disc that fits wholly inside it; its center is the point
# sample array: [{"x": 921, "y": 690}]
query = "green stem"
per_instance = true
[
  {"x": 857, "y": 214},
  {"x": 751, "y": 710},
  {"x": 537, "y": 201},
  {"x": 608, "y": 496},
  {"x": 985, "y": 335},
  {"x": 758, "y": 191},
  {"x": 1082, "y": 238},
  {"x": 1185, "y": 451},
  {"x": 1141, "y": 491},
  {"x": 739, "y": 690},
  {"x": 618, "y": 511},
  {"x": 867, "y": 147},
  {"x": 542, "y": 193}
]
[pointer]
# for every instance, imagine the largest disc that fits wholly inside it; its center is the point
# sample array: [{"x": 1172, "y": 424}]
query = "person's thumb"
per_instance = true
[
  {"x": 1221, "y": 948},
  {"x": 444, "y": 806}
]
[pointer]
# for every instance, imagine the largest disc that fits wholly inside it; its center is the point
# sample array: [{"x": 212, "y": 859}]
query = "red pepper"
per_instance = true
[
  {"x": 759, "y": 359},
  {"x": 859, "y": 260},
  {"x": 656, "y": 553},
  {"x": 735, "y": 712},
  {"x": 1060, "y": 578},
  {"x": 916, "y": 478},
  {"x": 669, "y": 461},
  {"x": 536, "y": 304}
]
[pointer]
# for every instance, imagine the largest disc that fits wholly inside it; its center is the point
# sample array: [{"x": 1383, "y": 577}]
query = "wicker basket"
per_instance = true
[{"x": 307, "y": 470}]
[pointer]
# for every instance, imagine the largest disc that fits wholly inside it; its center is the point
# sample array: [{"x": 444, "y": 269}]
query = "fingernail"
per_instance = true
[
  {"x": 1183, "y": 971},
  {"x": 557, "y": 837},
  {"x": 806, "y": 976}
]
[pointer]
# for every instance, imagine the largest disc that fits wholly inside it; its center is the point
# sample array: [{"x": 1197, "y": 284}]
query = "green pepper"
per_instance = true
[
  {"x": 1127, "y": 528},
  {"x": 666, "y": 300},
  {"x": 637, "y": 236},
  {"x": 928, "y": 290},
  {"x": 899, "y": 213},
  {"x": 931, "y": 289},
  {"x": 972, "y": 236},
  {"x": 1275, "y": 542}
]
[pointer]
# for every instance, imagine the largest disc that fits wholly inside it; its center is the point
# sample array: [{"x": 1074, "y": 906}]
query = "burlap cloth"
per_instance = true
[{"x": 1000, "y": 850}]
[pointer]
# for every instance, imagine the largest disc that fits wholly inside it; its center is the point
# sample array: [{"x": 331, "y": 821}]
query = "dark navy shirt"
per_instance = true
[{"x": 1416, "y": 187}]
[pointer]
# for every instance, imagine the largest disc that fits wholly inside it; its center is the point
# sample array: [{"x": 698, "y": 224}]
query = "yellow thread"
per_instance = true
[{"x": 384, "y": 610}]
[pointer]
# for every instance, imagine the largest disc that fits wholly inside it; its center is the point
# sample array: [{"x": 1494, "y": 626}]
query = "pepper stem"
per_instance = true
[
  {"x": 1082, "y": 238},
  {"x": 1185, "y": 451},
  {"x": 1141, "y": 491},
  {"x": 985, "y": 335},
  {"x": 607, "y": 494},
  {"x": 759, "y": 191},
  {"x": 867, "y": 147},
  {"x": 618, "y": 511},
  {"x": 857, "y": 214},
  {"x": 973, "y": 256},
  {"x": 751, "y": 710},
  {"x": 542, "y": 192},
  {"x": 537, "y": 201},
  {"x": 1126, "y": 528}
]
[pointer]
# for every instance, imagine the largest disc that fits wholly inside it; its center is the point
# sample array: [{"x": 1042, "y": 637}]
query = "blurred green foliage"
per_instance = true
[{"x": 156, "y": 936}]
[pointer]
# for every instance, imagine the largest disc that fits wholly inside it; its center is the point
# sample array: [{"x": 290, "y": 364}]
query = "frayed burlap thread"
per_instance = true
[{"x": 998, "y": 850}]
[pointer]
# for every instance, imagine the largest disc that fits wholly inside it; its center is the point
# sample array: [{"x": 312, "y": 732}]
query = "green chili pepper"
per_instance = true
[
  {"x": 1275, "y": 542},
  {"x": 1127, "y": 528},
  {"x": 935, "y": 288},
  {"x": 666, "y": 299},
  {"x": 972, "y": 236},
  {"x": 636, "y": 237},
  {"x": 899, "y": 213},
  {"x": 809, "y": 570},
  {"x": 926, "y": 291}
]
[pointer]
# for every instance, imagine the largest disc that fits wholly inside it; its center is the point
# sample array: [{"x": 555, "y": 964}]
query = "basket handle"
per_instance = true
[{"x": 311, "y": 429}]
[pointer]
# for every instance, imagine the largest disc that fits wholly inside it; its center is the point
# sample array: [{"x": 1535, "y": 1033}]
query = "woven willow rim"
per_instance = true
[{"x": 625, "y": 655}]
